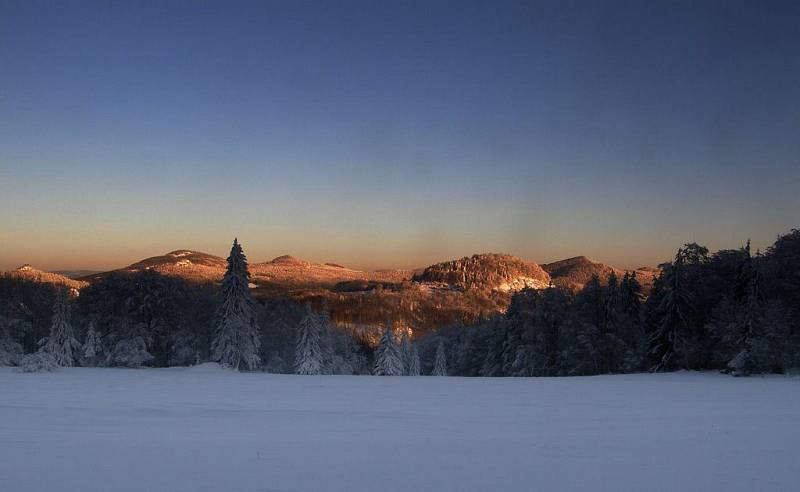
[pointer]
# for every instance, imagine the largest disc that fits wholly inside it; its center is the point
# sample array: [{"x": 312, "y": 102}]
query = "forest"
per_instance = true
[{"x": 733, "y": 310}]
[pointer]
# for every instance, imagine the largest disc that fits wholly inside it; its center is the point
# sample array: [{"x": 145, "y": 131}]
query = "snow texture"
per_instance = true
[
  {"x": 204, "y": 429},
  {"x": 40, "y": 361}
]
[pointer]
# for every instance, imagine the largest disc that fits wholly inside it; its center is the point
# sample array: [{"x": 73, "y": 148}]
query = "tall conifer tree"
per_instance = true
[
  {"x": 414, "y": 368},
  {"x": 387, "y": 356},
  {"x": 308, "y": 354},
  {"x": 440, "y": 363},
  {"x": 61, "y": 343},
  {"x": 236, "y": 342},
  {"x": 405, "y": 352}
]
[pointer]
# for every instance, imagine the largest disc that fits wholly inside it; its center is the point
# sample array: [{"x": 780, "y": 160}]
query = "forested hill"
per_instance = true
[
  {"x": 278, "y": 275},
  {"x": 456, "y": 291},
  {"x": 574, "y": 273},
  {"x": 733, "y": 310},
  {"x": 488, "y": 272},
  {"x": 28, "y": 272}
]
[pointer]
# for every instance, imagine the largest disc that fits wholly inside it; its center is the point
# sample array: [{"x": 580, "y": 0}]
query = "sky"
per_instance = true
[{"x": 395, "y": 134}]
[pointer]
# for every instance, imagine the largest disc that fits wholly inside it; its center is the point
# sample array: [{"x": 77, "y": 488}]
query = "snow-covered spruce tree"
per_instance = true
[
  {"x": 61, "y": 343},
  {"x": 387, "y": 356},
  {"x": 440, "y": 363},
  {"x": 492, "y": 363},
  {"x": 405, "y": 354},
  {"x": 748, "y": 330},
  {"x": 92, "y": 347},
  {"x": 308, "y": 354},
  {"x": 414, "y": 368},
  {"x": 328, "y": 359},
  {"x": 183, "y": 349},
  {"x": 236, "y": 342},
  {"x": 10, "y": 350},
  {"x": 673, "y": 326}
]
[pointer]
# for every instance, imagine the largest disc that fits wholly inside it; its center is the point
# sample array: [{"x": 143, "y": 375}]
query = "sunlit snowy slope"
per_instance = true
[{"x": 204, "y": 429}]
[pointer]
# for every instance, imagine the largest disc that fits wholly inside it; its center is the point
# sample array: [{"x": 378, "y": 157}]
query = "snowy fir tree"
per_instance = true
[
  {"x": 308, "y": 354},
  {"x": 746, "y": 327},
  {"x": 92, "y": 347},
  {"x": 61, "y": 342},
  {"x": 414, "y": 368},
  {"x": 405, "y": 354},
  {"x": 440, "y": 362},
  {"x": 387, "y": 356},
  {"x": 236, "y": 342},
  {"x": 673, "y": 325},
  {"x": 329, "y": 357},
  {"x": 10, "y": 350}
]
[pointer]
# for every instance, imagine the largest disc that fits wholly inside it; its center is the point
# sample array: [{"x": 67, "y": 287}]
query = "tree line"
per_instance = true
[{"x": 733, "y": 310}]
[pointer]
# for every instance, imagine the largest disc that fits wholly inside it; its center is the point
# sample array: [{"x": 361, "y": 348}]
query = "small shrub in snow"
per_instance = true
[
  {"x": 275, "y": 364},
  {"x": 10, "y": 352},
  {"x": 131, "y": 352},
  {"x": 38, "y": 362}
]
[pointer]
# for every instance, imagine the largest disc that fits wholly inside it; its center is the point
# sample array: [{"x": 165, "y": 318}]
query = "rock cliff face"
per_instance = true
[{"x": 487, "y": 272}]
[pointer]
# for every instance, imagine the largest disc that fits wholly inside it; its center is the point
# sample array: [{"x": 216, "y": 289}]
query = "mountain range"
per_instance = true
[
  {"x": 453, "y": 291},
  {"x": 282, "y": 273}
]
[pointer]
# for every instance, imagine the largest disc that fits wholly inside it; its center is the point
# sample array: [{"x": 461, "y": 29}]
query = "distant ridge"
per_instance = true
[
  {"x": 574, "y": 273},
  {"x": 191, "y": 265},
  {"x": 28, "y": 272},
  {"x": 454, "y": 291},
  {"x": 486, "y": 271},
  {"x": 283, "y": 272},
  {"x": 76, "y": 274}
]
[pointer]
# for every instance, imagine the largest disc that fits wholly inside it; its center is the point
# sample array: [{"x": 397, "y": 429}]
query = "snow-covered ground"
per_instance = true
[{"x": 204, "y": 429}]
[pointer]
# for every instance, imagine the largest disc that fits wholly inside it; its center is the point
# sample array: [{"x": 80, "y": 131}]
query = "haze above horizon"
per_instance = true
[{"x": 395, "y": 136}]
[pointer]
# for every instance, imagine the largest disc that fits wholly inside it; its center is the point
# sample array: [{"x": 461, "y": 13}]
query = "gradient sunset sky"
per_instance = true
[{"x": 395, "y": 134}]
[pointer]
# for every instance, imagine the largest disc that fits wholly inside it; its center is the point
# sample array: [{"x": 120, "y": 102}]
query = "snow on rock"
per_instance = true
[
  {"x": 178, "y": 254},
  {"x": 520, "y": 283},
  {"x": 208, "y": 430}
]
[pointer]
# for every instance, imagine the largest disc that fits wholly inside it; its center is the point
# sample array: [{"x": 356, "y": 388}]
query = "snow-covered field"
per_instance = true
[{"x": 204, "y": 429}]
